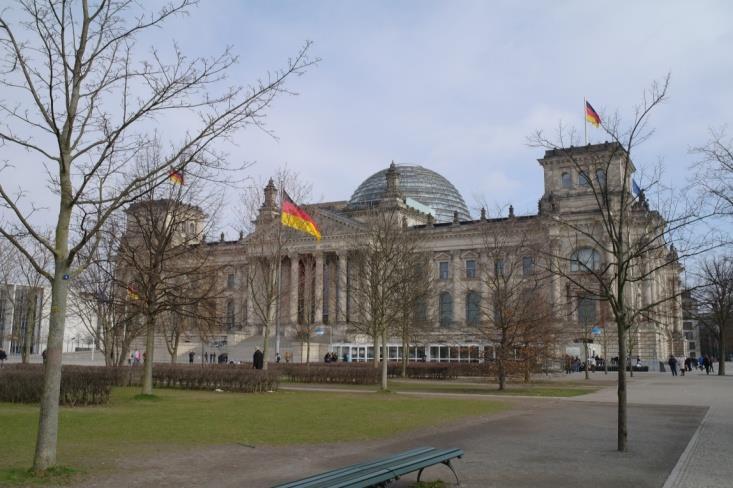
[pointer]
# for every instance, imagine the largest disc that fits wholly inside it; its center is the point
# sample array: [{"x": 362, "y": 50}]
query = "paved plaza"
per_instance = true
[{"x": 681, "y": 435}]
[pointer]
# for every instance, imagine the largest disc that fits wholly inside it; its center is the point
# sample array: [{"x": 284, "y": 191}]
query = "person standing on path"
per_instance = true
[
  {"x": 3, "y": 357},
  {"x": 673, "y": 365},
  {"x": 190, "y": 357},
  {"x": 257, "y": 359}
]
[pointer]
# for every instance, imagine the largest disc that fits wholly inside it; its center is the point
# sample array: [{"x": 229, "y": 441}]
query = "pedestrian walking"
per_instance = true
[
  {"x": 3, "y": 357},
  {"x": 673, "y": 365},
  {"x": 190, "y": 357}
]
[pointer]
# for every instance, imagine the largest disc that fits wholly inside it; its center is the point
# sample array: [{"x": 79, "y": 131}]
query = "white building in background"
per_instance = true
[
  {"x": 23, "y": 307},
  {"x": 23, "y": 318}
]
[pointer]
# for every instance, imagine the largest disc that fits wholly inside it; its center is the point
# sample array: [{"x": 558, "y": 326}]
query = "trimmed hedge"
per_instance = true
[
  {"x": 341, "y": 373},
  {"x": 227, "y": 377},
  {"x": 79, "y": 385}
]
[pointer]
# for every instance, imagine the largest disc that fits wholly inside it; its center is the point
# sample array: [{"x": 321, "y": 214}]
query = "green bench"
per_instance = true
[{"x": 382, "y": 471}]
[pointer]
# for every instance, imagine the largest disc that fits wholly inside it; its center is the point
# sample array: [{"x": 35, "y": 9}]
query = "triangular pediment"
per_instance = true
[{"x": 332, "y": 223}]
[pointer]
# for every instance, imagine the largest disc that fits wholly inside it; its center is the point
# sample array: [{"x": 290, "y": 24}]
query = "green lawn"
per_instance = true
[{"x": 90, "y": 436}]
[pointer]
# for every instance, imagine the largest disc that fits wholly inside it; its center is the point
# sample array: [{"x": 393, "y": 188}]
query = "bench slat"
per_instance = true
[
  {"x": 397, "y": 470},
  {"x": 381, "y": 470},
  {"x": 312, "y": 481}
]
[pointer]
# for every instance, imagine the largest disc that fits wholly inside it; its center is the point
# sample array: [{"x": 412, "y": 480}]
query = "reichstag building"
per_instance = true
[{"x": 431, "y": 205}]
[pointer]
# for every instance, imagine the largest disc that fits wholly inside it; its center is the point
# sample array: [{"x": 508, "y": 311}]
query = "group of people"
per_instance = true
[
  {"x": 703, "y": 363},
  {"x": 331, "y": 357},
  {"x": 573, "y": 364},
  {"x": 208, "y": 357}
]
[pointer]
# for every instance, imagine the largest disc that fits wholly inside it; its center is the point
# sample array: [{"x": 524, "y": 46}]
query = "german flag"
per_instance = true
[
  {"x": 591, "y": 115},
  {"x": 132, "y": 292},
  {"x": 293, "y": 216},
  {"x": 176, "y": 176}
]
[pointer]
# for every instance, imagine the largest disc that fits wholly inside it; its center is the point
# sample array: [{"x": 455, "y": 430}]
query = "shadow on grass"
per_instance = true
[
  {"x": 58, "y": 475},
  {"x": 148, "y": 398}
]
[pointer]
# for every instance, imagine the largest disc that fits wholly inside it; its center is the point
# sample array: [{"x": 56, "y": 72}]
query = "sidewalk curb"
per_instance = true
[{"x": 675, "y": 477}]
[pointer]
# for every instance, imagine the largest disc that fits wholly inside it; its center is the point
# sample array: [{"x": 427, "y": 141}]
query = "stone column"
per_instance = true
[
  {"x": 293, "y": 299},
  {"x": 458, "y": 289},
  {"x": 318, "y": 292},
  {"x": 341, "y": 288}
]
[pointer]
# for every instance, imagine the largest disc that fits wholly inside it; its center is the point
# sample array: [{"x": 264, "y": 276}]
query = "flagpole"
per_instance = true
[
  {"x": 279, "y": 283},
  {"x": 585, "y": 120}
]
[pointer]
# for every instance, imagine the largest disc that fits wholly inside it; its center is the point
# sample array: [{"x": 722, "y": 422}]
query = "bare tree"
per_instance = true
[
  {"x": 715, "y": 171},
  {"x": 163, "y": 256},
  {"x": 387, "y": 258},
  {"x": 413, "y": 316},
  {"x": 98, "y": 299},
  {"x": 714, "y": 297},
  {"x": 626, "y": 248},
  {"x": 515, "y": 314},
  {"x": 84, "y": 103},
  {"x": 267, "y": 246}
]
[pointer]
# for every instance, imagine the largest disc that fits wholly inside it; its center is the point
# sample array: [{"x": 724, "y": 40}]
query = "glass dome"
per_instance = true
[{"x": 418, "y": 183}]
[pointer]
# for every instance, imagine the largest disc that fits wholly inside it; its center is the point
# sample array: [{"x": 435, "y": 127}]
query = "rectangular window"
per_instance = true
[
  {"x": 230, "y": 281},
  {"x": 473, "y": 304},
  {"x": 471, "y": 268},
  {"x": 499, "y": 267},
  {"x": 586, "y": 311},
  {"x": 692, "y": 345},
  {"x": 443, "y": 269},
  {"x": 527, "y": 265},
  {"x": 445, "y": 309}
]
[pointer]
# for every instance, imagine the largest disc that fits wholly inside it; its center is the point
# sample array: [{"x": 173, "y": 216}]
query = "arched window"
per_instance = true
[
  {"x": 473, "y": 304},
  {"x": 583, "y": 180},
  {"x": 585, "y": 259},
  {"x": 445, "y": 308},
  {"x": 191, "y": 228},
  {"x": 601, "y": 178},
  {"x": 567, "y": 180}
]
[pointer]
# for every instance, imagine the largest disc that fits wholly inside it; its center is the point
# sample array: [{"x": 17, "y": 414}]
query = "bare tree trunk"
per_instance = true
[
  {"x": 266, "y": 333},
  {"x": 405, "y": 353},
  {"x": 622, "y": 432},
  {"x": 308, "y": 350},
  {"x": 585, "y": 346},
  {"x": 501, "y": 372},
  {"x": 721, "y": 350},
  {"x": 385, "y": 357},
  {"x": 149, "y": 349},
  {"x": 48, "y": 424},
  {"x": 376, "y": 349}
]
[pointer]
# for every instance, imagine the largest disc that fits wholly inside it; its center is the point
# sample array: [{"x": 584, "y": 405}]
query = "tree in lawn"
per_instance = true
[
  {"x": 714, "y": 297},
  {"x": 85, "y": 102},
  {"x": 610, "y": 245},
  {"x": 511, "y": 302},
  {"x": 268, "y": 246},
  {"x": 387, "y": 257},
  {"x": 413, "y": 293},
  {"x": 163, "y": 259}
]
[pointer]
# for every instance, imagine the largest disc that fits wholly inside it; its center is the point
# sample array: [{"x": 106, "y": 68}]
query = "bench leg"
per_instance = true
[{"x": 450, "y": 466}]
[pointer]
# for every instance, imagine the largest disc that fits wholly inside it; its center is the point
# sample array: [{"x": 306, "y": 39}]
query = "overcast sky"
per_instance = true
[{"x": 459, "y": 86}]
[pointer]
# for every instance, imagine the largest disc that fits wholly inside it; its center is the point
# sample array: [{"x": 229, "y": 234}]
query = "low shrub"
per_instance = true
[{"x": 79, "y": 385}]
